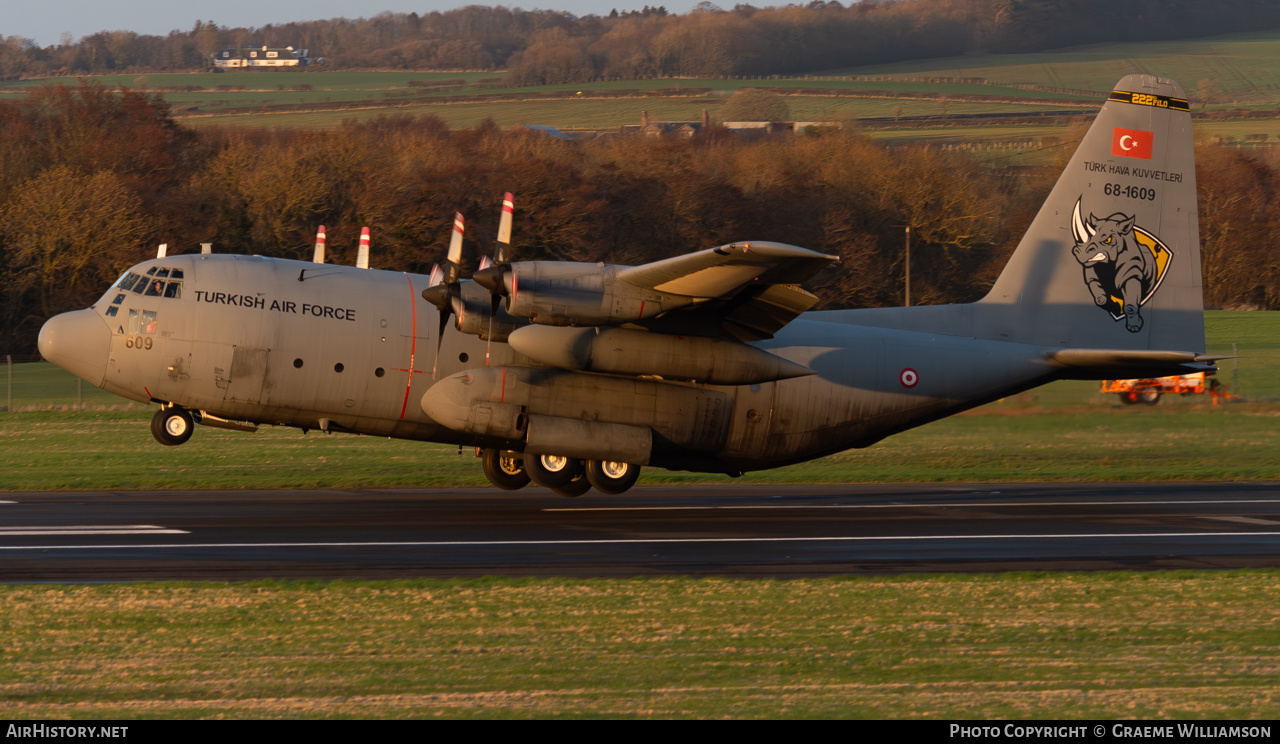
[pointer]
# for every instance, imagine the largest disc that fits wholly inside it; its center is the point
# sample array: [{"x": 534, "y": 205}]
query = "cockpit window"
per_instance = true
[
  {"x": 154, "y": 284},
  {"x": 142, "y": 321}
]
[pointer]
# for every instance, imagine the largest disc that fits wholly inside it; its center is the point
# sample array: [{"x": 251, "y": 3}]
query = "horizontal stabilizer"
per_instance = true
[{"x": 1123, "y": 364}]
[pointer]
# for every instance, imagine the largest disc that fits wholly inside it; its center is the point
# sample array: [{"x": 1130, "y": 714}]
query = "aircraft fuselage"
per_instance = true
[{"x": 354, "y": 350}]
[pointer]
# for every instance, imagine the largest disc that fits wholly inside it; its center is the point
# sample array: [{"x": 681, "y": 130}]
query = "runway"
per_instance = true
[{"x": 778, "y": 531}]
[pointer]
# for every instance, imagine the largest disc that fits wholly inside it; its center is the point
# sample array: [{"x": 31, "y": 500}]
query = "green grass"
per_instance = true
[
  {"x": 1185, "y": 645},
  {"x": 115, "y": 450},
  {"x": 1246, "y": 66}
]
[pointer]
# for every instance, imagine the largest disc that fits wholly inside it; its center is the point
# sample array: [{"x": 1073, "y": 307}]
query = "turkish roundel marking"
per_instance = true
[
  {"x": 909, "y": 377},
  {"x": 1131, "y": 143}
]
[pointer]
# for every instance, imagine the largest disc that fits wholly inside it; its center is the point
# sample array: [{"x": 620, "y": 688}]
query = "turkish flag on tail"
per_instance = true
[{"x": 1131, "y": 143}]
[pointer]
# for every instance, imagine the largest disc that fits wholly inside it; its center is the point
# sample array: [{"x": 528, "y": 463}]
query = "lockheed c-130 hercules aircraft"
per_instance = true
[{"x": 575, "y": 375}]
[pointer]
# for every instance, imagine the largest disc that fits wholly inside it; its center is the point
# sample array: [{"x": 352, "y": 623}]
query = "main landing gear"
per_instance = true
[
  {"x": 171, "y": 426},
  {"x": 565, "y": 476}
]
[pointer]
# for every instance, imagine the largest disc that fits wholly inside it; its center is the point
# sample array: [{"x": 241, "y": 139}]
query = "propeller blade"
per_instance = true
[
  {"x": 444, "y": 322},
  {"x": 504, "y": 228},
  {"x": 318, "y": 255},
  {"x": 454, "y": 259},
  {"x": 436, "y": 275},
  {"x": 362, "y": 257}
]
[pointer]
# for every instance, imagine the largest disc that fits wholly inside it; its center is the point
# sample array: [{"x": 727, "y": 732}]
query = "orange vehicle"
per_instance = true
[{"x": 1148, "y": 390}]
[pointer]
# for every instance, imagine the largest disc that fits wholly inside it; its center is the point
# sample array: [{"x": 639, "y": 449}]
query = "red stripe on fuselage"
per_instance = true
[{"x": 413, "y": 345}]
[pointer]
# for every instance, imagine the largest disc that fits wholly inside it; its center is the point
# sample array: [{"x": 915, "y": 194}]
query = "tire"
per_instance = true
[
  {"x": 1149, "y": 397},
  {"x": 505, "y": 469},
  {"x": 172, "y": 426},
  {"x": 552, "y": 471},
  {"x": 1128, "y": 398},
  {"x": 576, "y": 487},
  {"x": 612, "y": 477}
]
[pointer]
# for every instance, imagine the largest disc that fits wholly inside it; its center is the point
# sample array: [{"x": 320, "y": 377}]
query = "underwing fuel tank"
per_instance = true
[
  {"x": 579, "y": 415},
  {"x": 623, "y": 351}
]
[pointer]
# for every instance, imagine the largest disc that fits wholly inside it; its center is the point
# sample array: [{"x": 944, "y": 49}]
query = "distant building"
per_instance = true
[
  {"x": 679, "y": 129},
  {"x": 252, "y": 56}
]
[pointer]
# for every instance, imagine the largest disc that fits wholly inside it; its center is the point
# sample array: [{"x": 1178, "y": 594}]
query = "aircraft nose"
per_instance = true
[{"x": 79, "y": 342}]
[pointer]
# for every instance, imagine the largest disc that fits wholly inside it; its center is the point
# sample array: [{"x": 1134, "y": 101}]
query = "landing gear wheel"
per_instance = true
[
  {"x": 1128, "y": 398},
  {"x": 612, "y": 477},
  {"x": 1149, "y": 397},
  {"x": 172, "y": 426},
  {"x": 552, "y": 471},
  {"x": 505, "y": 469},
  {"x": 576, "y": 487}
]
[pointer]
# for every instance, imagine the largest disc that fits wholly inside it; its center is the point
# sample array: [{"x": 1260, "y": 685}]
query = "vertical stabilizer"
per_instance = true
[{"x": 1113, "y": 258}]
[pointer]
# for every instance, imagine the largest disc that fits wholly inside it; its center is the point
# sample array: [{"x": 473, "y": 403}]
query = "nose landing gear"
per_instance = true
[{"x": 172, "y": 426}]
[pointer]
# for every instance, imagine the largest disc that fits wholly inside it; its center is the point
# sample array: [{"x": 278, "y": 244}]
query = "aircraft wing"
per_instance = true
[
  {"x": 722, "y": 272},
  {"x": 747, "y": 291}
]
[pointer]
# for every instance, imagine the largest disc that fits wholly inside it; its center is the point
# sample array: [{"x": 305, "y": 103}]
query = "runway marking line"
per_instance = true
[
  {"x": 642, "y": 541},
  {"x": 1243, "y": 520},
  {"x": 92, "y": 529},
  {"x": 931, "y": 505}
]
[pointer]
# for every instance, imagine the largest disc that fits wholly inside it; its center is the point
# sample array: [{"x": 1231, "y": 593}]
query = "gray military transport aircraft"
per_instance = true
[{"x": 575, "y": 375}]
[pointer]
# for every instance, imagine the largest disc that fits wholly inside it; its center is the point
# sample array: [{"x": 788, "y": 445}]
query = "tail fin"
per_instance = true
[{"x": 1112, "y": 261}]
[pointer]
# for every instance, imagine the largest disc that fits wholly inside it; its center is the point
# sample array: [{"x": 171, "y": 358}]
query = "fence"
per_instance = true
[{"x": 31, "y": 385}]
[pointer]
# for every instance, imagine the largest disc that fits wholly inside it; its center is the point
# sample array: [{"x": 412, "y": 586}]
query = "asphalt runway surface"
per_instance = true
[{"x": 779, "y": 531}]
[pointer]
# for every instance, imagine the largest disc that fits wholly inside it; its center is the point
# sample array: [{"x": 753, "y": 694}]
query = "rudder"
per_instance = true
[{"x": 1112, "y": 260}]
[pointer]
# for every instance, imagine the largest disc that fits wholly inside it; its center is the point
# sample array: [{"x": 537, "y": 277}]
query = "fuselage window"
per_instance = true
[
  {"x": 173, "y": 290},
  {"x": 155, "y": 288},
  {"x": 135, "y": 320},
  {"x": 151, "y": 271},
  {"x": 119, "y": 299},
  {"x": 111, "y": 311},
  {"x": 175, "y": 274},
  {"x": 129, "y": 280},
  {"x": 162, "y": 273}
]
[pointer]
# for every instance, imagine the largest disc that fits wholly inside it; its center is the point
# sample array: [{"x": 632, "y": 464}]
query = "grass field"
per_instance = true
[
  {"x": 1244, "y": 70},
  {"x": 1246, "y": 67},
  {"x": 1187, "y": 645}
]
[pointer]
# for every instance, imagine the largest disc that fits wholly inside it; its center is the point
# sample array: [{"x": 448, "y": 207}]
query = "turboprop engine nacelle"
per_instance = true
[
  {"x": 471, "y": 314},
  {"x": 559, "y": 293},
  {"x": 629, "y": 352}
]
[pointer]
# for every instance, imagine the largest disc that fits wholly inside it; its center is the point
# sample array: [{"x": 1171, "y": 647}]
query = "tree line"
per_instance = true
[
  {"x": 549, "y": 46},
  {"x": 92, "y": 180}
]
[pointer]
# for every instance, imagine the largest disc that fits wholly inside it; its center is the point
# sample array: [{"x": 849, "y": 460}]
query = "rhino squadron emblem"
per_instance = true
[{"x": 1123, "y": 263}]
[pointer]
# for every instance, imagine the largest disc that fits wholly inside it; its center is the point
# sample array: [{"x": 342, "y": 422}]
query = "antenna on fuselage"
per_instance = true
[
  {"x": 206, "y": 248},
  {"x": 163, "y": 250},
  {"x": 318, "y": 255}
]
